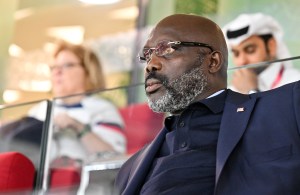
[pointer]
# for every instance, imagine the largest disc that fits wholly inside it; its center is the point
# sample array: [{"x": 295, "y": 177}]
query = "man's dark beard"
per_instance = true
[{"x": 260, "y": 69}]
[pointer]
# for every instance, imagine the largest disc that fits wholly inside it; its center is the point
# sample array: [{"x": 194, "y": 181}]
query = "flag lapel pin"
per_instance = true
[{"x": 240, "y": 109}]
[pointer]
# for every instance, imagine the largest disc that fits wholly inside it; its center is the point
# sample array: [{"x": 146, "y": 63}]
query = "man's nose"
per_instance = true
[
  {"x": 241, "y": 60},
  {"x": 154, "y": 64}
]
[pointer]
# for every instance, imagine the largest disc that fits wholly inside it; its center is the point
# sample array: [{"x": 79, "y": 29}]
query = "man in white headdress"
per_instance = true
[{"x": 254, "y": 38}]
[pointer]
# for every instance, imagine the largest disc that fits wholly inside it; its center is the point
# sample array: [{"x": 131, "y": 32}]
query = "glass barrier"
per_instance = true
[
  {"x": 24, "y": 130},
  {"x": 91, "y": 135}
]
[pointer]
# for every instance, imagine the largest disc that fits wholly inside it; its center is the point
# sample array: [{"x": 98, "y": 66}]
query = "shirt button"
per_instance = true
[
  {"x": 181, "y": 124},
  {"x": 183, "y": 144}
]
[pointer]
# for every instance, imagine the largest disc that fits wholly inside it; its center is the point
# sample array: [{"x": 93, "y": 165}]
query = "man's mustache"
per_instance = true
[{"x": 161, "y": 78}]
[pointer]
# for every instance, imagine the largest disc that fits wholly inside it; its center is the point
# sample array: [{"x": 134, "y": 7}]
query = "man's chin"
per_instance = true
[
  {"x": 155, "y": 95},
  {"x": 151, "y": 99},
  {"x": 153, "y": 103},
  {"x": 155, "y": 108}
]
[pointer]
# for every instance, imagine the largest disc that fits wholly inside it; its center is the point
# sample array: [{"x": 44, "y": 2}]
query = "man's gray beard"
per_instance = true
[{"x": 180, "y": 92}]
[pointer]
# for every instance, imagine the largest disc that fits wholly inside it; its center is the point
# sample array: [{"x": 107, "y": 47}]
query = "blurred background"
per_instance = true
[{"x": 115, "y": 30}]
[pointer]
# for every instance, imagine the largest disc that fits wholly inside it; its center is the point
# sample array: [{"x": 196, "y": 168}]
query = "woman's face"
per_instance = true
[{"x": 67, "y": 75}]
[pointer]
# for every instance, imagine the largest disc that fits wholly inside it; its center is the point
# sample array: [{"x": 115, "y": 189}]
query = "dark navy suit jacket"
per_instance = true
[{"x": 258, "y": 150}]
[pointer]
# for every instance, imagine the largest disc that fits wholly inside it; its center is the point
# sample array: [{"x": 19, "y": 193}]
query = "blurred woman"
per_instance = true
[{"x": 84, "y": 125}]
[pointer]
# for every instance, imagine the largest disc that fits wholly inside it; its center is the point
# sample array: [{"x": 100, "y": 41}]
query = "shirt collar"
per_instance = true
[
  {"x": 60, "y": 103},
  {"x": 216, "y": 93},
  {"x": 216, "y": 101}
]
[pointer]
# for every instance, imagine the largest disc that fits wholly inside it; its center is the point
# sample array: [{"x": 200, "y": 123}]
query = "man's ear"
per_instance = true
[
  {"x": 215, "y": 62},
  {"x": 272, "y": 45}
]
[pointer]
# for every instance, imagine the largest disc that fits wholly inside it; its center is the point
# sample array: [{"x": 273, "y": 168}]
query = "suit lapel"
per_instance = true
[
  {"x": 142, "y": 164},
  {"x": 237, "y": 111}
]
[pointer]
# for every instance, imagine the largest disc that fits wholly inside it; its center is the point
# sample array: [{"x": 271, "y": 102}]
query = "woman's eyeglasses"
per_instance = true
[
  {"x": 164, "y": 48},
  {"x": 63, "y": 66}
]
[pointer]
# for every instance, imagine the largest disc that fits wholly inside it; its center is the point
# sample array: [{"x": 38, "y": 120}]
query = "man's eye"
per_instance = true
[
  {"x": 169, "y": 50},
  {"x": 175, "y": 47},
  {"x": 235, "y": 53},
  {"x": 250, "y": 49}
]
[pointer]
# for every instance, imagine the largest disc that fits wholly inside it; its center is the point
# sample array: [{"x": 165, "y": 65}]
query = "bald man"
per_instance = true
[
  {"x": 254, "y": 38},
  {"x": 215, "y": 141}
]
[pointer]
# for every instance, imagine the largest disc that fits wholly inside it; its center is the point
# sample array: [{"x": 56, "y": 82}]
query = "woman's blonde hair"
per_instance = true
[{"x": 89, "y": 61}]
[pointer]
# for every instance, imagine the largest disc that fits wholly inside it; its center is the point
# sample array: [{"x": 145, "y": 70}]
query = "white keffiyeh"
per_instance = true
[{"x": 246, "y": 25}]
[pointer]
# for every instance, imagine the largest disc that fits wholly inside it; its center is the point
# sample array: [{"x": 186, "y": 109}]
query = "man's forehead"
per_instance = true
[
  {"x": 253, "y": 40},
  {"x": 158, "y": 35},
  {"x": 171, "y": 33}
]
